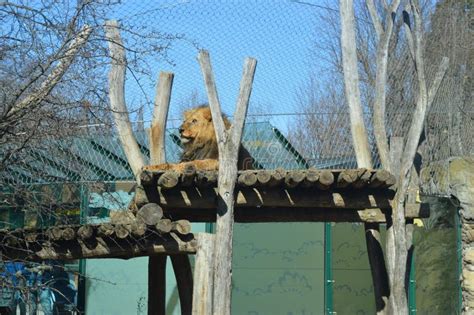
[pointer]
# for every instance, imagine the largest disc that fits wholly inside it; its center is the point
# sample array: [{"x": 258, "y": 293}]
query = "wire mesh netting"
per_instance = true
[{"x": 297, "y": 114}]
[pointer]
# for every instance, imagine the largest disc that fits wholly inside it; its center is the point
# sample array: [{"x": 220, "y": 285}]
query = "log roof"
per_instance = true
[{"x": 356, "y": 195}]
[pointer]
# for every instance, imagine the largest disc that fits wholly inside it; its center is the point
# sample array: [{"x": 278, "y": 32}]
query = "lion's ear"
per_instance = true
[{"x": 207, "y": 115}]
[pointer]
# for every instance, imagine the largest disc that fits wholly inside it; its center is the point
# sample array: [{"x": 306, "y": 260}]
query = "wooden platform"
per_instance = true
[
  {"x": 98, "y": 241},
  {"x": 356, "y": 195}
]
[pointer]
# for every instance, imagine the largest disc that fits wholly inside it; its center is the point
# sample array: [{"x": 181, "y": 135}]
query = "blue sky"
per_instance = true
[{"x": 279, "y": 34}]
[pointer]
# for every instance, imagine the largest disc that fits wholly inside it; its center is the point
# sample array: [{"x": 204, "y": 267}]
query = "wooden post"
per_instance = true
[
  {"x": 184, "y": 281},
  {"x": 228, "y": 145},
  {"x": 157, "y": 267},
  {"x": 117, "y": 98},
  {"x": 361, "y": 145},
  {"x": 157, "y": 285},
  {"x": 203, "y": 275},
  {"x": 160, "y": 115}
]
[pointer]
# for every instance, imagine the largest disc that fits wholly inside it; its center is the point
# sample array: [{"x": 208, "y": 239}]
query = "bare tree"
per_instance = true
[{"x": 397, "y": 239}]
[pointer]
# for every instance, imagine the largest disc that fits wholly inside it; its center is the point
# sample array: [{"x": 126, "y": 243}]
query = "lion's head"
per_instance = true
[
  {"x": 197, "y": 134},
  {"x": 199, "y": 138}
]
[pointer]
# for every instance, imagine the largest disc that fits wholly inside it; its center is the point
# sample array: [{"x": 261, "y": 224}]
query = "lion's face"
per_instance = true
[
  {"x": 196, "y": 125},
  {"x": 197, "y": 134}
]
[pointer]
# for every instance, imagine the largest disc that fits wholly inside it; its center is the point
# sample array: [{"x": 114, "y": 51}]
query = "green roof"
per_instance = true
[{"x": 99, "y": 157}]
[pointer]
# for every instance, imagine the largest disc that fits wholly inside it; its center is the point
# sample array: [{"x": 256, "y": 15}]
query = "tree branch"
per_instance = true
[
  {"x": 375, "y": 18},
  {"x": 243, "y": 99},
  {"x": 380, "y": 131},
  {"x": 213, "y": 98},
  {"x": 65, "y": 61},
  {"x": 117, "y": 98},
  {"x": 351, "y": 83},
  {"x": 160, "y": 115}
]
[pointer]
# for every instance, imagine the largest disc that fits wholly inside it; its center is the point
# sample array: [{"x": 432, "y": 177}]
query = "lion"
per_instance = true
[{"x": 198, "y": 139}]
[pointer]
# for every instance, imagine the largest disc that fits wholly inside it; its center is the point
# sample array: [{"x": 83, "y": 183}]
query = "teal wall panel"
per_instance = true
[
  {"x": 352, "y": 287},
  {"x": 278, "y": 268}
]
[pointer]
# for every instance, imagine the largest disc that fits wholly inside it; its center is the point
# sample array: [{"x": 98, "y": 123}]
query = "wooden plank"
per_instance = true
[
  {"x": 157, "y": 285},
  {"x": 301, "y": 214},
  {"x": 199, "y": 199},
  {"x": 203, "y": 274},
  {"x": 184, "y": 281}
]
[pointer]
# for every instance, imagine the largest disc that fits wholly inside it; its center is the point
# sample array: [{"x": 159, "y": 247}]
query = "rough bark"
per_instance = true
[
  {"x": 117, "y": 98},
  {"x": 160, "y": 114},
  {"x": 359, "y": 135},
  {"x": 228, "y": 145}
]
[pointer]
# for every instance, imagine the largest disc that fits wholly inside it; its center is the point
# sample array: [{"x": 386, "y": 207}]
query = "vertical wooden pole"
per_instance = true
[
  {"x": 117, "y": 98},
  {"x": 157, "y": 264},
  {"x": 203, "y": 275},
  {"x": 160, "y": 115},
  {"x": 157, "y": 285},
  {"x": 184, "y": 280},
  {"x": 361, "y": 147},
  {"x": 228, "y": 145}
]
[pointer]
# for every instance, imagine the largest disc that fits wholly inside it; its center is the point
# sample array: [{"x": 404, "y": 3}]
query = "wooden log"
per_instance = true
[
  {"x": 157, "y": 285},
  {"x": 382, "y": 178},
  {"x": 68, "y": 234},
  {"x": 206, "y": 179},
  {"x": 247, "y": 179},
  {"x": 122, "y": 230},
  {"x": 140, "y": 198},
  {"x": 138, "y": 228},
  {"x": 264, "y": 177},
  {"x": 311, "y": 178},
  {"x": 294, "y": 178},
  {"x": 346, "y": 178},
  {"x": 168, "y": 244},
  {"x": 168, "y": 180},
  {"x": 203, "y": 274},
  {"x": 278, "y": 176},
  {"x": 184, "y": 281},
  {"x": 325, "y": 180},
  {"x": 363, "y": 178},
  {"x": 85, "y": 232},
  {"x": 105, "y": 229},
  {"x": 55, "y": 233},
  {"x": 181, "y": 226},
  {"x": 150, "y": 214},
  {"x": 164, "y": 226}
]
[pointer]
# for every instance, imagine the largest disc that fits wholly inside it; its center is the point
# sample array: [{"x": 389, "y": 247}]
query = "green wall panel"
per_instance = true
[
  {"x": 352, "y": 287},
  {"x": 278, "y": 268}
]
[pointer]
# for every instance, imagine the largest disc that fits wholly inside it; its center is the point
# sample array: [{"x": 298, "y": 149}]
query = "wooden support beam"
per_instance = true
[
  {"x": 203, "y": 274},
  {"x": 157, "y": 285},
  {"x": 151, "y": 213},
  {"x": 300, "y": 214},
  {"x": 196, "y": 199},
  {"x": 97, "y": 241},
  {"x": 184, "y": 281},
  {"x": 228, "y": 146}
]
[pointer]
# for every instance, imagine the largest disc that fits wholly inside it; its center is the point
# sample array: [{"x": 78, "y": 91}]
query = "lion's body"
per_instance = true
[{"x": 199, "y": 143}]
